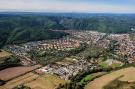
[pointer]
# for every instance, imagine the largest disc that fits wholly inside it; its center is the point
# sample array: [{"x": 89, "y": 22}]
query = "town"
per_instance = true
[
  {"x": 125, "y": 47},
  {"x": 72, "y": 65}
]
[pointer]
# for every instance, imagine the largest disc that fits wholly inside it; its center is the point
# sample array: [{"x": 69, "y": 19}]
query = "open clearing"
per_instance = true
[
  {"x": 10, "y": 73},
  {"x": 4, "y": 54},
  {"x": 47, "y": 81},
  {"x": 127, "y": 73}
]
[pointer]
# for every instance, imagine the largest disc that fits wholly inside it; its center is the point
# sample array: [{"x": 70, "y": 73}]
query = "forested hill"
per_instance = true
[
  {"x": 20, "y": 29},
  {"x": 23, "y": 27},
  {"x": 113, "y": 23}
]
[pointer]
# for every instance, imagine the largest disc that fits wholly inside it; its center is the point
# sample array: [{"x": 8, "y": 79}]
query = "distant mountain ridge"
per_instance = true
[
  {"x": 67, "y": 14},
  {"x": 24, "y": 27}
]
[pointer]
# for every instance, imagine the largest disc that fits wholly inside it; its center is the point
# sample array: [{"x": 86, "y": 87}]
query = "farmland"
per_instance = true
[
  {"x": 19, "y": 80},
  {"x": 4, "y": 54},
  {"x": 116, "y": 84},
  {"x": 46, "y": 82},
  {"x": 35, "y": 81},
  {"x": 15, "y": 72},
  {"x": 126, "y": 73}
]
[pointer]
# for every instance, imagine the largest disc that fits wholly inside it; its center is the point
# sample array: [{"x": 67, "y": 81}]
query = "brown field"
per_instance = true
[
  {"x": 46, "y": 82},
  {"x": 10, "y": 73},
  {"x": 35, "y": 81},
  {"x": 19, "y": 80},
  {"x": 127, "y": 73},
  {"x": 4, "y": 54}
]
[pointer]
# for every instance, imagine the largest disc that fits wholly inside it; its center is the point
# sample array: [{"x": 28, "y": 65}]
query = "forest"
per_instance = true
[{"x": 20, "y": 28}]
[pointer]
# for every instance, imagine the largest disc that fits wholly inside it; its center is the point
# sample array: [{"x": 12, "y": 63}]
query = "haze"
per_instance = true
[{"x": 87, "y": 6}]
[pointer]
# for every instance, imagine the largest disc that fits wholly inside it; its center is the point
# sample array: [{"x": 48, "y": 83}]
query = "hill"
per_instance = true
[{"x": 24, "y": 27}]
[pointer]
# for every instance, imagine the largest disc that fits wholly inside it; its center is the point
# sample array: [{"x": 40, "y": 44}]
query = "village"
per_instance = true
[
  {"x": 125, "y": 47},
  {"x": 71, "y": 66},
  {"x": 65, "y": 70},
  {"x": 59, "y": 44}
]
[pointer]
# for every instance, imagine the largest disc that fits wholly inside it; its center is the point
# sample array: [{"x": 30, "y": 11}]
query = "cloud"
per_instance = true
[{"x": 63, "y": 6}]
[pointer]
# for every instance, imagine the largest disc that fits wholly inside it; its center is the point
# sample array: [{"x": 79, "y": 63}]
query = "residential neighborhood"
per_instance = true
[{"x": 65, "y": 70}]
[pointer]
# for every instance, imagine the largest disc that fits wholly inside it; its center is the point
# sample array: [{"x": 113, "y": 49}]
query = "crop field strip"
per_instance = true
[
  {"x": 16, "y": 72},
  {"x": 20, "y": 80},
  {"x": 112, "y": 76},
  {"x": 46, "y": 82}
]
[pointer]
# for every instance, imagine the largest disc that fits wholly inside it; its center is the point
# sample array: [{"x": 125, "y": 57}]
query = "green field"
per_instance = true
[
  {"x": 113, "y": 65},
  {"x": 90, "y": 77}
]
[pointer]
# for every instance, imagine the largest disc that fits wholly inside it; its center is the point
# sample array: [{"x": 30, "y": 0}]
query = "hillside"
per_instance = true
[
  {"x": 26, "y": 35},
  {"x": 24, "y": 27}
]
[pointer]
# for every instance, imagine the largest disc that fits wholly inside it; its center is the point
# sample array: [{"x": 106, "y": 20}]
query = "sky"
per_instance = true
[{"x": 86, "y": 6}]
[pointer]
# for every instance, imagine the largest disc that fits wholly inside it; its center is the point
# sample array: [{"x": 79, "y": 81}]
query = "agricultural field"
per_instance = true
[
  {"x": 35, "y": 81},
  {"x": 126, "y": 73},
  {"x": 19, "y": 80},
  {"x": 117, "y": 84},
  {"x": 4, "y": 54},
  {"x": 10, "y": 73},
  {"x": 46, "y": 82}
]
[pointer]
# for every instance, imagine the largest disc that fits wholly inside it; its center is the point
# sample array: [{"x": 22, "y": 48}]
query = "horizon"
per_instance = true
[
  {"x": 29, "y": 12},
  {"x": 68, "y": 6}
]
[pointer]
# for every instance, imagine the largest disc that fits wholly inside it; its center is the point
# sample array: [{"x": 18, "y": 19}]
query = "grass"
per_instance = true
[
  {"x": 86, "y": 79},
  {"x": 90, "y": 77},
  {"x": 116, "y": 65},
  {"x": 103, "y": 65},
  {"x": 106, "y": 65}
]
